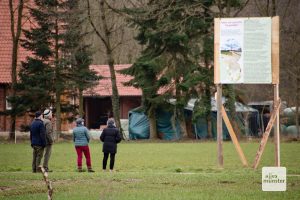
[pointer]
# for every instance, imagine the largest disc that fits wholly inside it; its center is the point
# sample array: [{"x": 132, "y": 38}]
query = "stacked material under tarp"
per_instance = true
[
  {"x": 139, "y": 127},
  {"x": 289, "y": 127},
  {"x": 168, "y": 128},
  {"x": 200, "y": 126}
]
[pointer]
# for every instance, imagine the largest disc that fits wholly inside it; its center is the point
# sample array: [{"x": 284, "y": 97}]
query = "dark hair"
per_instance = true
[{"x": 37, "y": 114}]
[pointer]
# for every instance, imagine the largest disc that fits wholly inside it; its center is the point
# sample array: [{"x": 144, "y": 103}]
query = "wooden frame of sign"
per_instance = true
[{"x": 221, "y": 113}]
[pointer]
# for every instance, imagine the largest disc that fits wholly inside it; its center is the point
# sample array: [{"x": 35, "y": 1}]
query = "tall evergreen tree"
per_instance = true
[
  {"x": 36, "y": 74},
  {"x": 173, "y": 32},
  {"x": 44, "y": 75}
]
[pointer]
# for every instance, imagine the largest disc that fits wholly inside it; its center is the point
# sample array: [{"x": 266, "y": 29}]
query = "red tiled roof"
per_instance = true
[
  {"x": 104, "y": 86},
  {"x": 6, "y": 41}
]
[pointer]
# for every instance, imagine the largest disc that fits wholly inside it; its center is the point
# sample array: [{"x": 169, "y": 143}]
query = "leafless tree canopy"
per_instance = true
[
  {"x": 124, "y": 46},
  {"x": 126, "y": 49}
]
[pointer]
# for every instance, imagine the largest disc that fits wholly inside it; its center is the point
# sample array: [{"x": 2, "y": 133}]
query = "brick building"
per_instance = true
[
  {"x": 5, "y": 64},
  {"x": 97, "y": 101}
]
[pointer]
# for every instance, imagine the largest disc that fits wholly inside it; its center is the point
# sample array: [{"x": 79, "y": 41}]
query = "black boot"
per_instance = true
[{"x": 90, "y": 170}]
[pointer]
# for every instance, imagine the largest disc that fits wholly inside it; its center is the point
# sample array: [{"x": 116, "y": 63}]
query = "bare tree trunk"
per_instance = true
[
  {"x": 115, "y": 94},
  {"x": 153, "y": 130},
  {"x": 209, "y": 126},
  {"x": 183, "y": 128},
  {"x": 173, "y": 121},
  {"x": 152, "y": 120},
  {"x": 208, "y": 114},
  {"x": 178, "y": 112},
  {"x": 182, "y": 124},
  {"x": 12, "y": 131},
  {"x": 58, "y": 114},
  {"x": 15, "y": 33},
  {"x": 110, "y": 59},
  {"x": 80, "y": 103},
  {"x": 57, "y": 86}
]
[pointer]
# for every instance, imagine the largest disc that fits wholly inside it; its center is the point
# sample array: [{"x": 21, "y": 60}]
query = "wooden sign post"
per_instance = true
[
  {"x": 219, "y": 126},
  {"x": 277, "y": 128},
  {"x": 275, "y": 81}
]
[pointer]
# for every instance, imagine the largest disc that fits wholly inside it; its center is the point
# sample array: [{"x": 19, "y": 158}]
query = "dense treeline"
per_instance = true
[{"x": 169, "y": 43}]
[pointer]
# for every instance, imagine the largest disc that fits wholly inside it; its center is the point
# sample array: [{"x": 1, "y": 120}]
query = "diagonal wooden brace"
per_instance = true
[
  {"x": 234, "y": 138},
  {"x": 266, "y": 134}
]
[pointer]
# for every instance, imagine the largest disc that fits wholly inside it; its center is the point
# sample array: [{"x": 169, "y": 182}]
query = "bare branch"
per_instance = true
[
  {"x": 288, "y": 5},
  {"x": 219, "y": 3},
  {"x": 93, "y": 25},
  {"x": 115, "y": 10},
  {"x": 292, "y": 73},
  {"x": 241, "y": 8},
  {"x": 259, "y": 7},
  {"x": 12, "y": 19}
]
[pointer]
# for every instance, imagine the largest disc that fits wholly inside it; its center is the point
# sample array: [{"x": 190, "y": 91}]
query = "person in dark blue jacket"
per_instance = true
[
  {"x": 110, "y": 137},
  {"x": 38, "y": 141}
]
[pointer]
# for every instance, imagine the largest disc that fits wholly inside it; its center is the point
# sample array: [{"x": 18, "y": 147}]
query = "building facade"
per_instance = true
[{"x": 97, "y": 101}]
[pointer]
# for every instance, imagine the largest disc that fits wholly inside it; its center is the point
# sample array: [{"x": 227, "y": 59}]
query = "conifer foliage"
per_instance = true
[
  {"x": 174, "y": 34},
  {"x": 58, "y": 67},
  {"x": 37, "y": 74}
]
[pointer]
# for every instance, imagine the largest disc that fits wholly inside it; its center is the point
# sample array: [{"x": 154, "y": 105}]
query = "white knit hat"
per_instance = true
[
  {"x": 47, "y": 113},
  {"x": 111, "y": 121}
]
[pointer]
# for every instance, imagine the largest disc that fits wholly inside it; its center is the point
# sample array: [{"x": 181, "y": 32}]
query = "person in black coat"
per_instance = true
[{"x": 110, "y": 137}]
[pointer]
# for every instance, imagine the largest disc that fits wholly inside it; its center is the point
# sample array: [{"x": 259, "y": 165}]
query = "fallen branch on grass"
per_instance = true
[{"x": 48, "y": 182}]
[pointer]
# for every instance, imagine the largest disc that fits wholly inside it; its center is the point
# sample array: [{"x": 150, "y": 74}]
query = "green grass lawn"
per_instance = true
[{"x": 158, "y": 171}]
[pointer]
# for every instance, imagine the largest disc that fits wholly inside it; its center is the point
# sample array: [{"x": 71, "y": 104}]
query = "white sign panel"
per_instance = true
[
  {"x": 273, "y": 179},
  {"x": 245, "y": 50}
]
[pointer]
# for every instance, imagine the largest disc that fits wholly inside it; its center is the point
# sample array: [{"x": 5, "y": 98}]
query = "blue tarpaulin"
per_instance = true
[
  {"x": 165, "y": 128},
  {"x": 138, "y": 125}
]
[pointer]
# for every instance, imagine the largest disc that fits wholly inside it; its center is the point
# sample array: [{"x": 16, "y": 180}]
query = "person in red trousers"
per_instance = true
[{"x": 81, "y": 139}]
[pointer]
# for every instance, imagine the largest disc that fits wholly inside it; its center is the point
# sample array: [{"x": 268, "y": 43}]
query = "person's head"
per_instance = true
[
  {"x": 38, "y": 115},
  {"x": 110, "y": 122},
  {"x": 79, "y": 121},
  {"x": 47, "y": 114}
]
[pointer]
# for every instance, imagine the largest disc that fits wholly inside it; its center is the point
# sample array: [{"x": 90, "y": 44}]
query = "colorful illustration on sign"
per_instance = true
[{"x": 231, "y": 52}]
